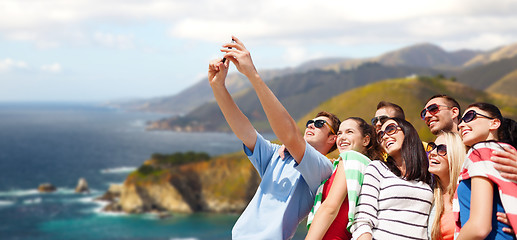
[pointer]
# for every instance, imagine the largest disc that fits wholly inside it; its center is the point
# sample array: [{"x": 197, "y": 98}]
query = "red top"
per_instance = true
[
  {"x": 447, "y": 222},
  {"x": 337, "y": 230}
]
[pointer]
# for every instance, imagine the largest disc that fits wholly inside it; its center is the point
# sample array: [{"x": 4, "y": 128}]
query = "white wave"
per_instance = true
[
  {"x": 65, "y": 191},
  {"x": 5, "y": 203},
  {"x": 32, "y": 201},
  {"x": 19, "y": 193},
  {"x": 118, "y": 170}
]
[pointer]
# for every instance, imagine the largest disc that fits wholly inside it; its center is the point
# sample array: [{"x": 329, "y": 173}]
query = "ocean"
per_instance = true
[{"x": 59, "y": 143}]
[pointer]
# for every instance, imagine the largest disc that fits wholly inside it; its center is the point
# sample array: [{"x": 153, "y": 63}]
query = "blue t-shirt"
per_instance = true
[
  {"x": 464, "y": 192},
  {"x": 286, "y": 193}
]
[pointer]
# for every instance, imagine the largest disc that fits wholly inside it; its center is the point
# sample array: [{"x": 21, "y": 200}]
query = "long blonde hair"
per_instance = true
[{"x": 456, "y": 152}]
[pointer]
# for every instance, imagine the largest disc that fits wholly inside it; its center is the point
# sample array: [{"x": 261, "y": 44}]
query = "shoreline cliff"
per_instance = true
[{"x": 186, "y": 183}]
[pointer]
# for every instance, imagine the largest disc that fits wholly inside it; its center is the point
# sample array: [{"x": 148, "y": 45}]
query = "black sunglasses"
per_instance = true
[
  {"x": 432, "y": 109},
  {"x": 389, "y": 130},
  {"x": 319, "y": 124},
  {"x": 378, "y": 119},
  {"x": 440, "y": 149},
  {"x": 471, "y": 115}
]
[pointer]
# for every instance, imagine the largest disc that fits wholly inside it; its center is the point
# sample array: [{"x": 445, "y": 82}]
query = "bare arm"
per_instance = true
[
  {"x": 281, "y": 122},
  {"x": 238, "y": 122},
  {"x": 506, "y": 163},
  {"x": 365, "y": 236},
  {"x": 329, "y": 209},
  {"x": 479, "y": 224}
]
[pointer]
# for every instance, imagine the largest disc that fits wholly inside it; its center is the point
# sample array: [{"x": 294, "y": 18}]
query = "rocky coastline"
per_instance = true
[{"x": 224, "y": 184}]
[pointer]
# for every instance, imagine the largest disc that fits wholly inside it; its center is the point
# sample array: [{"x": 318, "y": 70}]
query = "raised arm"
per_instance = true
[
  {"x": 239, "y": 123},
  {"x": 281, "y": 122}
]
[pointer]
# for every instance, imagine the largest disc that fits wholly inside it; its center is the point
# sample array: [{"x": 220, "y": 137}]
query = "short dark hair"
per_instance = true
[
  {"x": 413, "y": 153},
  {"x": 373, "y": 149},
  {"x": 450, "y": 100},
  {"x": 335, "y": 122},
  {"x": 507, "y": 131},
  {"x": 399, "y": 112}
]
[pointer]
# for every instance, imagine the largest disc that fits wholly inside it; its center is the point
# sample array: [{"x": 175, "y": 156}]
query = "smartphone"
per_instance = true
[{"x": 224, "y": 59}]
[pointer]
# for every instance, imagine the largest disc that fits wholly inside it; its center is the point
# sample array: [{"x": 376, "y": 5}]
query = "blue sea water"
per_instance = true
[{"x": 60, "y": 143}]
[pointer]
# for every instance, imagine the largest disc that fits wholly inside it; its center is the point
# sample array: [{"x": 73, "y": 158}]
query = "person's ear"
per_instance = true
[
  {"x": 332, "y": 139},
  {"x": 455, "y": 113},
  {"x": 494, "y": 124},
  {"x": 366, "y": 140}
]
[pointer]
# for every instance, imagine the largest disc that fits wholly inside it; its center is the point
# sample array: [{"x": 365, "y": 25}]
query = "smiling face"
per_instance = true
[
  {"x": 350, "y": 137},
  {"x": 392, "y": 144},
  {"x": 478, "y": 129},
  {"x": 439, "y": 165},
  {"x": 443, "y": 119}
]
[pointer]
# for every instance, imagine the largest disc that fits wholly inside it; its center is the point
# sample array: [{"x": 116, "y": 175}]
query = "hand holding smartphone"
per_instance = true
[{"x": 224, "y": 59}]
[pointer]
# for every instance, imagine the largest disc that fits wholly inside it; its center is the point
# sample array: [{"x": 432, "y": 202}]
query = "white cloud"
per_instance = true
[
  {"x": 53, "y": 23},
  {"x": 8, "y": 64},
  {"x": 52, "y": 68},
  {"x": 119, "y": 41}
]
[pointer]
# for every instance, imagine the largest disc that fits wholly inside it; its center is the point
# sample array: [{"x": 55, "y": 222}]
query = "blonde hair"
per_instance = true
[{"x": 456, "y": 152}]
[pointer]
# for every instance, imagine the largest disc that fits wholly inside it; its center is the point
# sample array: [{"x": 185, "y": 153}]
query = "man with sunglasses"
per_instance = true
[
  {"x": 386, "y": 110},
  {"x": 288, "y": 186},
  {"x": 441, "y": 113}
]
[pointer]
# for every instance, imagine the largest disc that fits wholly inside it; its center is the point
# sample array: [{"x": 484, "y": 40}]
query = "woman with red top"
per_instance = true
[{"x": 337, "y": 197}]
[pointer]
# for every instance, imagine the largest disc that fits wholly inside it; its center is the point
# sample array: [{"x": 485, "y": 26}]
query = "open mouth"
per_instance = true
[
  {"x": 434, "y": 162},
  {"x": 389, "y": 143},
  {"x": 431, "y": 123},
  {"x": 465, "y": 132},
  {"x": 344, "y": 144}
]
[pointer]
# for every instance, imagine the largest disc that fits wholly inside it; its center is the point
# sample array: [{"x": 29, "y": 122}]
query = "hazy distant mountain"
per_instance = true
[
  {"x": 497, "y": 54},
  {"x": 299, "y": 92},
  {"x": 419, "y": 55},
  {"x": 196, "y": 95},
  {"x": 482, "y": 76}
]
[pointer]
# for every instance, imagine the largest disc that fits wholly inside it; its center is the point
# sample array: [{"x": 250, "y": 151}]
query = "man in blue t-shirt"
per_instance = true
[{"x": 290, "y": 178}]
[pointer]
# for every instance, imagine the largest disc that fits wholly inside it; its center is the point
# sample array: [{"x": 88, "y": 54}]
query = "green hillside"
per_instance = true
[
  {"x": 506, "y": 85},
  {"x": 411, "y": 94}
]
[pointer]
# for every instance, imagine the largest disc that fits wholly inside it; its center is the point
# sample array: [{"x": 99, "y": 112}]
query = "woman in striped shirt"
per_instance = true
[
  {"x": 482, "y": 191},
  {"x": 395, "y": 198}
]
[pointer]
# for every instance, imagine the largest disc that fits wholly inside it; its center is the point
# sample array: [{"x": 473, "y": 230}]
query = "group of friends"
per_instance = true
[{"x": 386, "y": 183}]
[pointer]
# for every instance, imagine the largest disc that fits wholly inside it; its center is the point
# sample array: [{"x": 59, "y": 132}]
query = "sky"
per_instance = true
[{"x": 104, "y": 50}]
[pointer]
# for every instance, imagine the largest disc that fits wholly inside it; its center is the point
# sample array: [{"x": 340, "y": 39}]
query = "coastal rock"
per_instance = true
[
  {"x": 82, "y": 186},
  {"x": 224, "y": 184},
  {"x": 136, "y": 198},
  {"x": 46, "y": 188},
  {"x": 112, "y": 194}
]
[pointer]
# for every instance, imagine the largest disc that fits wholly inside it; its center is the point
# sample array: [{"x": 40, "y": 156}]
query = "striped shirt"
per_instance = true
[
  {"x": 478, "y": 164},
  {"x": 391, "y": 207}
]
